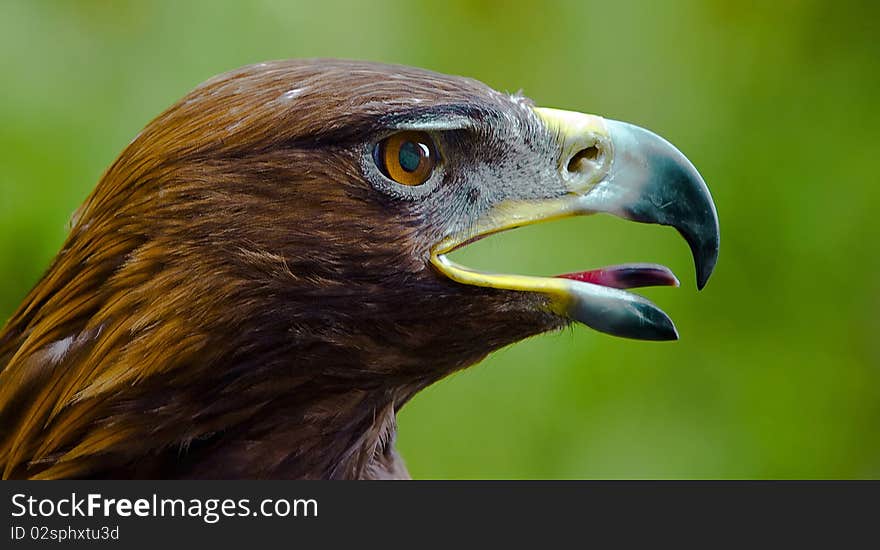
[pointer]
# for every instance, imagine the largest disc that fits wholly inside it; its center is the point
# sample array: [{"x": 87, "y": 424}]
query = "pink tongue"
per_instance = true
[{"x": 626, "y": 276}]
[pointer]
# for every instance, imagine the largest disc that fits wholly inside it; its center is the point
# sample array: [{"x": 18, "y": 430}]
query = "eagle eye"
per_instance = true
[{"x": 407, "y": 157}]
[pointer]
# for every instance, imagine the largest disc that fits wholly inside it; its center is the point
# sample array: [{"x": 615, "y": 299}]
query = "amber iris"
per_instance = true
[{"x": 407, "y": 157}]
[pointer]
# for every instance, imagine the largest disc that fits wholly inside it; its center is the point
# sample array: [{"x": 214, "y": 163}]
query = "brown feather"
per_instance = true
[{"x": 235, "y": 300}]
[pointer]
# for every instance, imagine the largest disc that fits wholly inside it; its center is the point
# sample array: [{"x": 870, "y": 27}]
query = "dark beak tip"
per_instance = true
[
  {"x": 668, "y": 333},
  {"x": 664, "y": 334},
  {"x": 662, "y": 327},
  {"x": 704, "y": 241},
  {"x": 703, "y": 279},
  {"x": 705, "y": 258},
  {"x": 704, "y": 271}
]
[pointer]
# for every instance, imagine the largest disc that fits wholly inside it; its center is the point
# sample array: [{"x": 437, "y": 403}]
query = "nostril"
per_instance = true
[{"x": 590, "y": 154}]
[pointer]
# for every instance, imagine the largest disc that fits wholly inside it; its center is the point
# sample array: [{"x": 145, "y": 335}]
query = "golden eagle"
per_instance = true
[{"x": 260, "y": 281}]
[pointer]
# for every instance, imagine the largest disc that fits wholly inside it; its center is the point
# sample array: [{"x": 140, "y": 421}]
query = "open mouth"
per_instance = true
[
  {"x": 594, "y": 297},
  {"x": 645, "y": 180}
]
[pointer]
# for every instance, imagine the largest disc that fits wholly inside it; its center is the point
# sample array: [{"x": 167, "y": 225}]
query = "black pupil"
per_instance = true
[{"x": 410, "y": 155}]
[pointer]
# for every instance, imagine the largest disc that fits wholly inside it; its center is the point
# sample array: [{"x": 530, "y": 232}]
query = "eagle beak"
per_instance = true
[
  {"x": 630, "y": 172},
  {"x": 620, "y": 169}
]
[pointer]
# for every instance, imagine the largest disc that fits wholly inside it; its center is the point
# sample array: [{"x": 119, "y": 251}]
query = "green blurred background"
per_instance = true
[{"x": 777, "y": 373}]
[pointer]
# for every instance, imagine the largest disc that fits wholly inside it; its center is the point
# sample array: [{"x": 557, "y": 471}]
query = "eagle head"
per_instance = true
[{"x": 262, "y": 278}]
